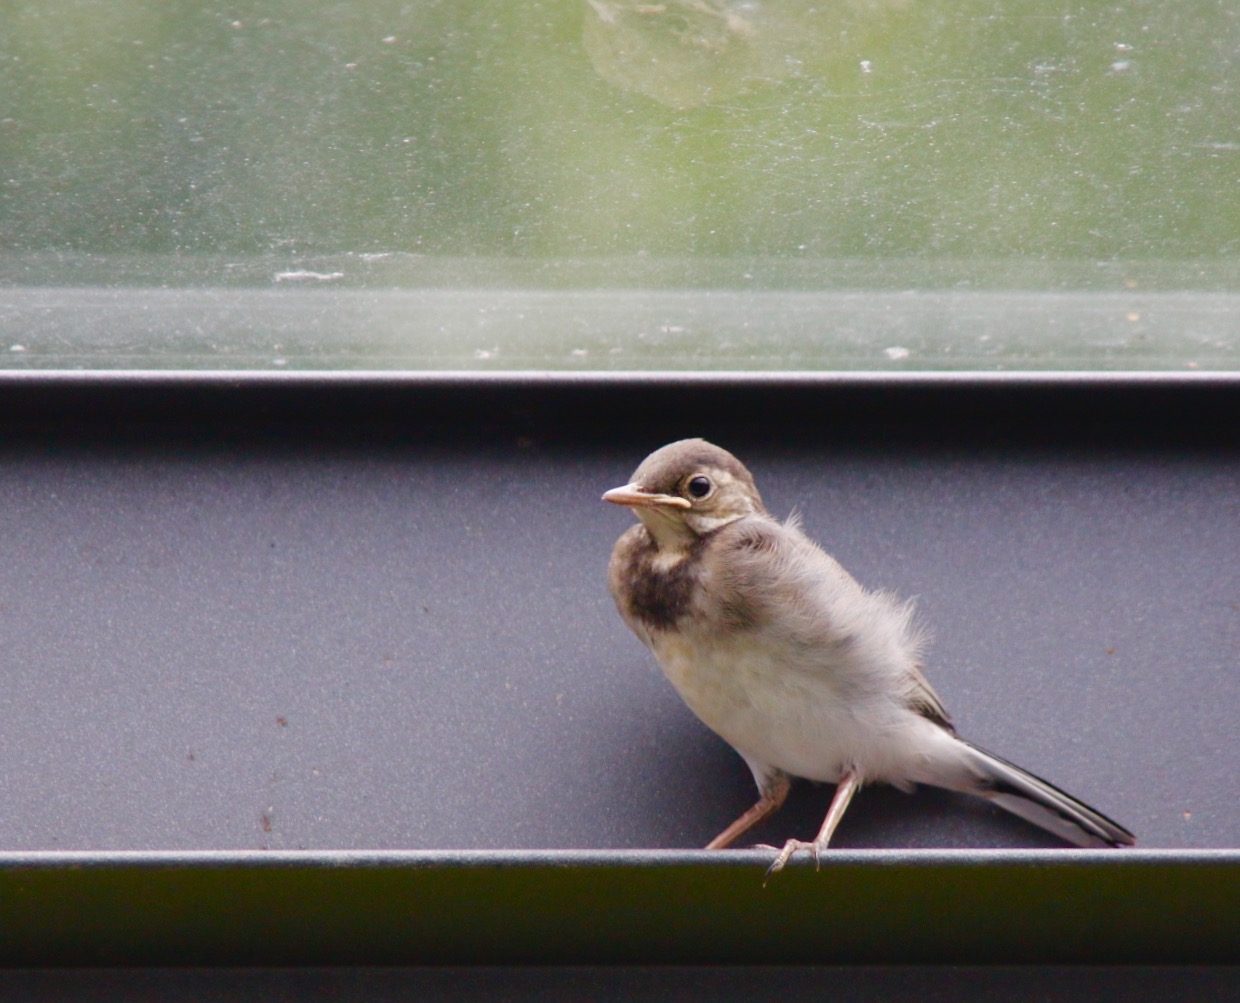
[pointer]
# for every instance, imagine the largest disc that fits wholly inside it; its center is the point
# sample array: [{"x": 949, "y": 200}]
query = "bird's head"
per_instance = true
[{"x": 687, "y": 489}]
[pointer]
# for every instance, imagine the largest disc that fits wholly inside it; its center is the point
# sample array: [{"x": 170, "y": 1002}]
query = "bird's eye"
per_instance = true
[{"x": 699, "y": 486}]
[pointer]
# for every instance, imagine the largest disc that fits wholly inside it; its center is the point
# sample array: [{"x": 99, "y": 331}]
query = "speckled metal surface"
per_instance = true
[{"x": 228, "y": 633}]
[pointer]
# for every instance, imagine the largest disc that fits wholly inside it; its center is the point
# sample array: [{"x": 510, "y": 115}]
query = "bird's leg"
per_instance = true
[
  {"x": 849, "y": 783},
  {"x": 774, "y": 793}
]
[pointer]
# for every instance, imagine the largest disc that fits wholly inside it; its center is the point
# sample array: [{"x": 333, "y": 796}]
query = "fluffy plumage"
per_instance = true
[{"x": 798, "y": 667}]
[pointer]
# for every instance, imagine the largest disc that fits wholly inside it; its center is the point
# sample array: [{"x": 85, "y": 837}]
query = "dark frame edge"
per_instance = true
[
  {"x": 1058, "y": 408},
  {"x": 619, "y": 907}
]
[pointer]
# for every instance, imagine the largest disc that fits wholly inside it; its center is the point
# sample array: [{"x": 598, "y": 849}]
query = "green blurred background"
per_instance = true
[
  {"x": 943, "y": 129},
  {"x": 620, "y": 185}
]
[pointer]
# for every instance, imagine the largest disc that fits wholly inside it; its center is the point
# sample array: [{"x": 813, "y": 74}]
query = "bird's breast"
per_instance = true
[
  {"x": 777, "y": 650},
  {"x": 743, "y": 688},
  {"x": 655, "y": 589}
]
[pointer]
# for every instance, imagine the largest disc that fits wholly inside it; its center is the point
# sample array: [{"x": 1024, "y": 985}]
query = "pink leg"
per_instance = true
[
  {"x": 849, "y": 783},
  {"x": 773, "y": 797}
]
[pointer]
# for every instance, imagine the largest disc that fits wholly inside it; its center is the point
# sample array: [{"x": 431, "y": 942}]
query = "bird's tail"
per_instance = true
[{"x": 1042, "y": 803}]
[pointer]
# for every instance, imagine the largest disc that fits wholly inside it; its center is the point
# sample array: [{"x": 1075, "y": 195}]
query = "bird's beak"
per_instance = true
[{"x": 635, "y": 496}]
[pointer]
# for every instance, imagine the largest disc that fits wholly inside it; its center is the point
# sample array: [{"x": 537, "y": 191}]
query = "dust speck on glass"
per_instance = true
[{"x": 585, "y": 185}]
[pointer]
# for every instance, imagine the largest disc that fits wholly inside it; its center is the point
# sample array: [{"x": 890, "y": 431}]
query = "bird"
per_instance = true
[{"x": 801, "y": 669}]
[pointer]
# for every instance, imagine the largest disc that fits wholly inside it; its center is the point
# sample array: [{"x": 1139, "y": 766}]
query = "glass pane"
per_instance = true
[{"x": 614, "y": 184}]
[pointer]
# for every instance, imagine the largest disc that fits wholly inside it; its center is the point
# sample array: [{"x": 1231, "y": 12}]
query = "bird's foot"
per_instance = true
[{"x": 791, "y": 847}]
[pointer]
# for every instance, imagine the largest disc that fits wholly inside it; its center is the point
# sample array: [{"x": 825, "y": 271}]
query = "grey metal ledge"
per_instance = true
[
  {"x": 238, "y": 639},
  {"x": 755, "y": 379}
]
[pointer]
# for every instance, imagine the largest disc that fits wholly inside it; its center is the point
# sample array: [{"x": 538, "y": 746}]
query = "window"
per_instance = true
[{"x": 880, "y": 185}]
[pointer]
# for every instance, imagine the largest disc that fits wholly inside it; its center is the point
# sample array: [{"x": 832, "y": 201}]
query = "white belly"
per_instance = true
[{"x": 809, "y": 721}]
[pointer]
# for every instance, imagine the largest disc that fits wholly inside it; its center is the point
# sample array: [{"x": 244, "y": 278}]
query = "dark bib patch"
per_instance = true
[{"x": 660, "y": 598}]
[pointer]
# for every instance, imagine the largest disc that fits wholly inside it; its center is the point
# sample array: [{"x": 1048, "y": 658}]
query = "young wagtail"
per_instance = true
[{"x": 793, "y": 663}]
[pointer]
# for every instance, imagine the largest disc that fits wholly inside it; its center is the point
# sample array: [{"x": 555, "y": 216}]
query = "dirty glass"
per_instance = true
[{"x": 886, "y": 185}]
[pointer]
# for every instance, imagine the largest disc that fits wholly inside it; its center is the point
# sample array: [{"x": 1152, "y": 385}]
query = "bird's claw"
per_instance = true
[{"x": 789, "y": 848}]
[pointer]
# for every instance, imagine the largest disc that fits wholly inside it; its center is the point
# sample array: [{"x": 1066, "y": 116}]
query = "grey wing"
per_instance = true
[
  {"x": 760, "y": 575},
  {"x": 772, "y": 575},
  {"x": 921, "y": 697}
]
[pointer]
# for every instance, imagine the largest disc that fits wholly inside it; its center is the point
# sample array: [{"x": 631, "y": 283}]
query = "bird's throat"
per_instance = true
[{"x": 671, "y": 536}]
